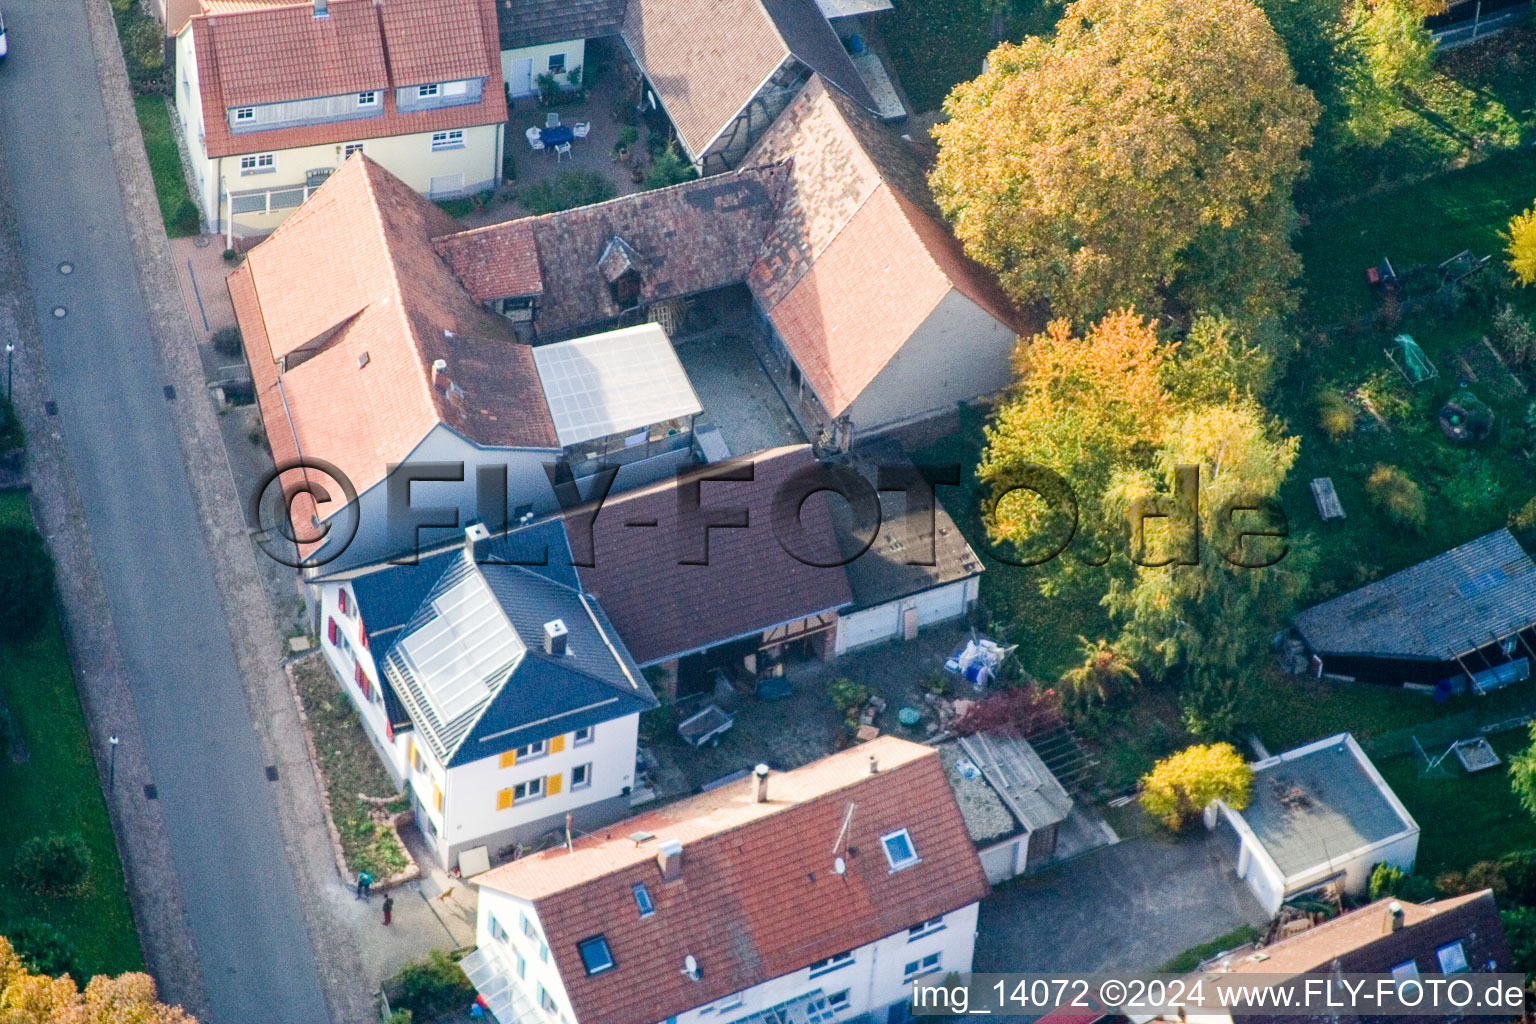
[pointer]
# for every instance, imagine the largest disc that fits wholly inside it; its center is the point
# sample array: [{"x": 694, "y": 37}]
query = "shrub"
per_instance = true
[
  {"x": 1520, "y": 932},
  {"x": 1387, "y": 880},
  {"x": 1180, "y": 787},
  {"x": 1525, "y": 519},
  {"x": 227, "y": 343},
  {"x": 1514, "y": 336},
  {"x": 186, "y": 219},
  {"x": 398, "y": 1017},
  {"x": 55, "y": 865},
  {"x": 669, "y": 168},
  {"x": 1335, "y": 415},
  {"x": 26, "y": 582},
  {"x": 568, "y": 191},
  {"x": 1475, "y": 487},
  {"x": 43, "y": 949},
  {"x": 122, "y": 6},
  {"x": 1024, "y": 708},
  {"x": 846, "y": 695},
  {"x": 1397, "y": 496},
  {"x": 432, "y": 985},
  {"x": 1447, "y": 300},
  {"x": 628, "y": 135},
  {"x": 144, "y": 44}
]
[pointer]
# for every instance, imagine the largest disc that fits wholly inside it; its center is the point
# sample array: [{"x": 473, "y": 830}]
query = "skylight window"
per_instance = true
[
  {"x": 899, "y": 850},
  {"x": 1453, "y": 958},
  {"x": 643, "y": 900},
  {"x": 595, "y": 955}
]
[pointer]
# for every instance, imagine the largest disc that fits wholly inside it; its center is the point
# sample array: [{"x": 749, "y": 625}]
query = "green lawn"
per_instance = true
[
  {"x": 1464, "y": 818},
  {"x": 177, "y": 209},
  {"x": 57, "y": 791}
]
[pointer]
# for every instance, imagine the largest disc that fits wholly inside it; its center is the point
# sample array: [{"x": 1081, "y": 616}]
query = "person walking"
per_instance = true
[
  {"x": 364, "y": 881},
  {"x": 389, "y": 908}
]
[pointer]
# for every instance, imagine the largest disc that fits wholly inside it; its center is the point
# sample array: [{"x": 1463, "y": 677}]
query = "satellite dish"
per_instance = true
[
  {"x": 691, "y": 967},
  {"x": 839, "y": 866}
]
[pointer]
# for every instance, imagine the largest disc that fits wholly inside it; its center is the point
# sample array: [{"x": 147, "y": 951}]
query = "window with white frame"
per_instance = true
[
  {"x": 350, "y": 148},
  {"x": 838, "y": 1000},
  {"x": 528, "y": 750},
  {"x": 730, "y": 1002},
  {"x": 368, "y": 99},
  {"x": 258, "y": 163},
  {"x": 448, "y": 140},
  {"x": 557, "y": 63},
  {"x": 643, "y": 899},
  {"x": 245, "y": 114},
  {"x": 423, "y": 91},
  {"x": 899, "y": 851},
  {"x": 530, "y": 790},
  {"x": 581, "y": 776},
  {"x": 928, "y": 927},
  {"x": 918, "y": 968},
  {"x": 831, "y": 963},
  {"x": 1452, "y": 957},
  {"x": 583, "y": 735}
]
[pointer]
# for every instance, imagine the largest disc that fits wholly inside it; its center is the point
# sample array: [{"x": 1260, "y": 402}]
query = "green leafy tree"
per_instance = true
[
  {"x": 43, "y": 949},
  {"x": 1520, "y": 242},
  {"x": 27, "y": 997},
  {"x": 669, "y": 168},
  {"x": 1522, "y": 774},
  {"x": 1391, "y": 54},
  {"x": 1103, "y": 675},
  {"x": 1115, "y": 163},
  {"x": 433, "y": 985}
]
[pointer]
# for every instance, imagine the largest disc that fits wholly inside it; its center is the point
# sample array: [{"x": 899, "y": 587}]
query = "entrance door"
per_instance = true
[{"x": 520, "y": 77}]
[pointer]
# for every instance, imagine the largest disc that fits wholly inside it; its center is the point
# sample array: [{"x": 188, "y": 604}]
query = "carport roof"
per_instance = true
[{"x": 1321, "y": 803}]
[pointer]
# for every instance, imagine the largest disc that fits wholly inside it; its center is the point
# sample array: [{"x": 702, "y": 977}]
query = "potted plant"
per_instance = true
[
  {"x": 628, "y": 136},
  {"x": 230, "y": 255}
]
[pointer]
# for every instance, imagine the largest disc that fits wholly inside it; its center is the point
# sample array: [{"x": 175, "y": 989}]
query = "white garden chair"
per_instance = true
[
  {"x": 534, "y": 142},
  {"x": 562, "y": 151},
  {"x": 581, "y": 129},
  {"x": 552, "y": 119}
]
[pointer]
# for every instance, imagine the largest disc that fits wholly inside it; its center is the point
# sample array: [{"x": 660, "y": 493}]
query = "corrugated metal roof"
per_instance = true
[{"x": 1450, "y": 605}]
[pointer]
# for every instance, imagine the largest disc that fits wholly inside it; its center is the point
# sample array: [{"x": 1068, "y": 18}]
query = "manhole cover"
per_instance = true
[
  {"x": 59, "y": 312},
  {"x": 66, "y": 268}
]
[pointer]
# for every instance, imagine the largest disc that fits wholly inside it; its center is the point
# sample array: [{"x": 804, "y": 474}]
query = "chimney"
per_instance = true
[
  {"x": 440, "y": 374},
  {"x": 761, "y": 774},
  {"x": 474, "y": 533},
  {"x": 321, "y": 9},
  {"x": 669, "y": 858},
  {"x": 874, "y": 766},
  {"x": 554, "y": 638},
  {"x": 1394, "y": 921}
]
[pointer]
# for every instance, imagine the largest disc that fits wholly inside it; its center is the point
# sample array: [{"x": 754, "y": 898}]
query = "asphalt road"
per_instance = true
[{"x": 220, "y": 811}]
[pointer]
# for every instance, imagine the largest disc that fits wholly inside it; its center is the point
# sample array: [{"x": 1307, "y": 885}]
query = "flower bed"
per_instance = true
[{"x": 356, "y": 788}]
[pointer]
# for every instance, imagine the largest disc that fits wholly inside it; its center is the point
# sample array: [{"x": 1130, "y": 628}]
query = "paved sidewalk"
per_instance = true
[
  {"x": 256, "y": 641},
  {"x": 201, "y": 270}
]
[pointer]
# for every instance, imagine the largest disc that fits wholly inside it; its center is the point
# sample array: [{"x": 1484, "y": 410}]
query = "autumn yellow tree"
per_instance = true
[
  {"x": 1145, "y": 151},
  {"x": 1181, "y": 786},
  {"x": 1521, "y": 246},
  {"x": 27, "y": 998}
]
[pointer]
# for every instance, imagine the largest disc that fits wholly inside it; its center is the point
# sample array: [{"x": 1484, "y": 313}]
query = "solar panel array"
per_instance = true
[
  {"x": 612, "y": 383},
  {"x": 458, "y": 652}
]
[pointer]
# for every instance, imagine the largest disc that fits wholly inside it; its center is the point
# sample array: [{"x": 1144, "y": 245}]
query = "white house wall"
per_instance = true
[
  {"x": 522, "y": 82},
  {"x": 474, "y": 820},
  {"x": 959, "y": 353},
  {"x": 875, "y": 978},
  {"x": 345, "y": 659},
  {"x": 882, "y": 622}
]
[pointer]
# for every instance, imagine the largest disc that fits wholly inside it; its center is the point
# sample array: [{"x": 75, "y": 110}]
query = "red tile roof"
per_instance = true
[
  {"x": 264, "y": 53},
  {"x": 494, "y": 262},
  {"x": 757, "y": 897},
  {"x": 352, "y": 274},
  {"x": 663, "y": 608},
  {"x": 858, "y": 258}
]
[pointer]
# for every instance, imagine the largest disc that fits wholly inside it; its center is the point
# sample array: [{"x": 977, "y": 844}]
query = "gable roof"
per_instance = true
[
  {"x": 1447, "y": 606},
  {"x": 858, "y": 257},
  {"x": 255, "y": 53},
  {"x": 471, "y": 671},
  {"x": 689, "y": 238},
  {"x": 665, "y": 609},
  {"x": 535, "y": 22},
  {"x": 757, "y": 897},
  {"x": 707, "y": 59},
  {"x": 350, "y": 293}
]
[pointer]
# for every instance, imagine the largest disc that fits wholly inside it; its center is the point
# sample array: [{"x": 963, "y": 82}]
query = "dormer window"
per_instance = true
[
  {"x": 899, "y": 851},
  {"x": 595, "y": 955},
  {"x": 425, "y": 91},
  {"x": 368, "y": 99},
  {"x": 245, "y": 113}
]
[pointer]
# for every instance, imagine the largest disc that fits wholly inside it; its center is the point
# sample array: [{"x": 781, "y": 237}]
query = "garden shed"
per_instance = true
[
  {"x": 1463, "y": 618},
  {"x": 1317, "y": 815},
  {"x": 1013, "y": 805}
]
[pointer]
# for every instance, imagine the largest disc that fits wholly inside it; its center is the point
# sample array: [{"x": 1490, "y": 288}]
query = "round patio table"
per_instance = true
[{"x": 552, "y": 137}]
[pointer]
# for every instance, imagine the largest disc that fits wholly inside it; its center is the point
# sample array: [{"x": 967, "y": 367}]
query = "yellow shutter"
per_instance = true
[
  {"x": 437, "y": 797},
  {"x": 552, "y": 785},
  {"x": 557, "y": 744},
  {"x": 503, "y": 799},
  {"x": 508, "y": 758}
]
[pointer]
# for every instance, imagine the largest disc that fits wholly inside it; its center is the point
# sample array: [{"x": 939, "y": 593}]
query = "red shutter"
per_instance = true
[
  {"x": 362, "y": 634},
  {"x": 341, "y": 600},
  {"x": 330, "y": 630},
  {"x": 389, "y": 730}
]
